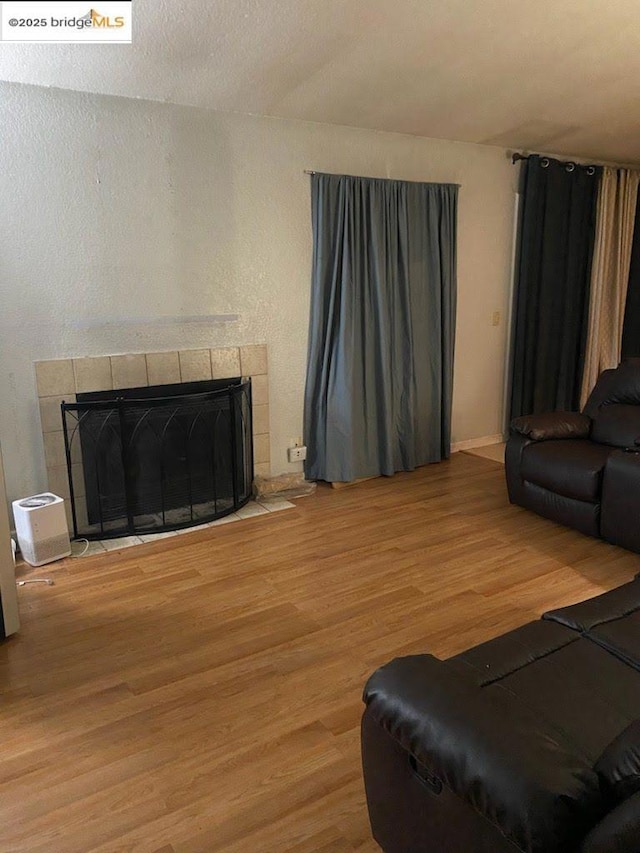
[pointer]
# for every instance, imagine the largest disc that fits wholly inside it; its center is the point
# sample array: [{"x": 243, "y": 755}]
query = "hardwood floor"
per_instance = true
[{"x": 202, "y": 693}]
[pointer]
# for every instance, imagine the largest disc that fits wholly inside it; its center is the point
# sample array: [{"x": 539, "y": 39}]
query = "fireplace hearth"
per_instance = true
[{"x": 159, "y": 458}]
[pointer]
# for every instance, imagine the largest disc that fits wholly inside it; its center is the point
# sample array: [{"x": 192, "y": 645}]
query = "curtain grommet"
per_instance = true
[{"x": 545, "y": 162}]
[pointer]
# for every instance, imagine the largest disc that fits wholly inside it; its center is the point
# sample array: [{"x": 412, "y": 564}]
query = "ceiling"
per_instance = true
[{"x": 558, "y": 76}]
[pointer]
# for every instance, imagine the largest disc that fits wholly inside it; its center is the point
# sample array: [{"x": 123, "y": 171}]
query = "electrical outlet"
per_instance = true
[{"x": 297, "y": 454}]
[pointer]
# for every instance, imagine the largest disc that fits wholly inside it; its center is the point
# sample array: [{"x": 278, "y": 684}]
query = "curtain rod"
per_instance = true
[
  {"x": 544, "y": 162},
  {"x": 570, "y": 164},
  {"x": 401, "y": 180}
]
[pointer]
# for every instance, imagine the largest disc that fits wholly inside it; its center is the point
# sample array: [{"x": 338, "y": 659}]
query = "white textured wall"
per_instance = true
[{"x": 115, "y": 208}]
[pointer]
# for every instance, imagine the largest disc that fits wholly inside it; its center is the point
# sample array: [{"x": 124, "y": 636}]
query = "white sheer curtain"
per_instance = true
[{"x": 616, "y": 211}]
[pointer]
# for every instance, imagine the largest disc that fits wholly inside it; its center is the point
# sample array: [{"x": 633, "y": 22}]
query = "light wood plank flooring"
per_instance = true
[{"x": 201, "y": 694}]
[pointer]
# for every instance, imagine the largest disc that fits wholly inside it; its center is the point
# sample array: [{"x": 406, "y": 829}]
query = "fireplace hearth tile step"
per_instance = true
[
  {"x": 252, "y": 509},
  {"x": 192, "y": 529},
  {"x": 276, "y": 505},
  {"x": 226, "y": 519},
  {"x": 122, "y": 542},
  {"x": 153, "y": 537},
  {"x": 80, "y": 548}
]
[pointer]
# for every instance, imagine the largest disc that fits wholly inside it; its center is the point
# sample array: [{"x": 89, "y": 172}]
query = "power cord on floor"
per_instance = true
[
  {"x": 50, "y": 581},
  {"x": 84, "y": 550}
]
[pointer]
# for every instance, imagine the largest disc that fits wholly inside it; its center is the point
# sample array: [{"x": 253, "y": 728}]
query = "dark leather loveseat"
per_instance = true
[
  {"x": 530, "y": 742},
  {"x": 583, "y": 469}
]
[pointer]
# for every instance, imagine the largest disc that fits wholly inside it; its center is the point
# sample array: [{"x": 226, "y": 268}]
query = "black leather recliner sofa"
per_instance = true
[
  {"x": 529, "y": 742},
  {"x": 583, "y": 469}
]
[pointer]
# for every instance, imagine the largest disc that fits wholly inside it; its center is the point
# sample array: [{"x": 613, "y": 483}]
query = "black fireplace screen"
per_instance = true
[{"x": 146, "y": 460}]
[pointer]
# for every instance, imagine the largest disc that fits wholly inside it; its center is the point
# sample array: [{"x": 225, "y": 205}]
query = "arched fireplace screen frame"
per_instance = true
[{"x": 150, "y": 460}]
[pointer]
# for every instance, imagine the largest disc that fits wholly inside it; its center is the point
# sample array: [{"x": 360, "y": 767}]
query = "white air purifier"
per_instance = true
[{"x": 41, "y": 528}]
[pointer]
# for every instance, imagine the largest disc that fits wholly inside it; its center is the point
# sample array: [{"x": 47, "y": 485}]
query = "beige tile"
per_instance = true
[
  {"x": 67, "y": 510},
  {"x": 129, "y": 371},
  {"x": 50, "y": 414},
  {"x": 122, "y": 542},
  {"x": 155, "y": 537},
  {"x": 261, "y": 449},
  {"x": 54, "y": 452},
  {"x": 260, "y": 419},
  {"x": 225, "y": 363},
  {"x": 260, "y": 390},
  {"x": 276, "y": 504},
  {"x": 253, "y": 360},
  {"x": 83, "y": 549},
  {"x": 193, "y": 528},
  {"x": 251, "y": 509},
  {"x": 262, "y": 469},
  {"x": 93, "y": 374},
  {"x": 226, "y": 519},
  {"x": 163, "y": 368},
  {"x": 58, "y": 481},
  {"x": 55, "y": 377},
  {"x": 195, "y": 365},
  {"x": 77, "y": 472},
  {"x": 81, "y": 515}
]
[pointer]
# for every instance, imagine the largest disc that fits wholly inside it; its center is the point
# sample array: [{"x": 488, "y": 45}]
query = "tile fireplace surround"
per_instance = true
[{"x": 62, "y": 379}]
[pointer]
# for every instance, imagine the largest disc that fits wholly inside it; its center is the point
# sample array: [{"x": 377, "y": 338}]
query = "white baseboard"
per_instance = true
[{"x": 471, "y": 443}]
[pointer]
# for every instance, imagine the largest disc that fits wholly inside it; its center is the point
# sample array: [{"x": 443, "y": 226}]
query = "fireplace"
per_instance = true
[{"x": 158, "y": 458}]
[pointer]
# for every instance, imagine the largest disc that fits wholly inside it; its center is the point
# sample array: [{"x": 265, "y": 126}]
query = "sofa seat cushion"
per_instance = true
[
  {"x": 569, "y": 467},
  {"x": 503, "y": 655},
  {"x": 620, "y": 637}
]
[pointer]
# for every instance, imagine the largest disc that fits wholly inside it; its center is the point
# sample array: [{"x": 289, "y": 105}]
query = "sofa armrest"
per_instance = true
[
  {"x": 552, "y": 425},
  {"x": 490, "y": 750},
  {"x": 618, "y": 831},
  {"x": 619, "y": 765}
]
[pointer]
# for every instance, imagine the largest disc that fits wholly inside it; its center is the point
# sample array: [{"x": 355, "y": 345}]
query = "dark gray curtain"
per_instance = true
[
  {"x": 381, "y": 333},
  {"x": 631, "y": 330},
  {"x": 551, "y": 297}
]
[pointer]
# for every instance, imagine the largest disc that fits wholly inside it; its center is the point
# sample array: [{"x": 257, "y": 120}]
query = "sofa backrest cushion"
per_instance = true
[
  {"x": 617, "y": 424},
  {"x": 621, "y": 385},
  {"x": 618, "y": 767},
  {"x": 607, "y": 607}
]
